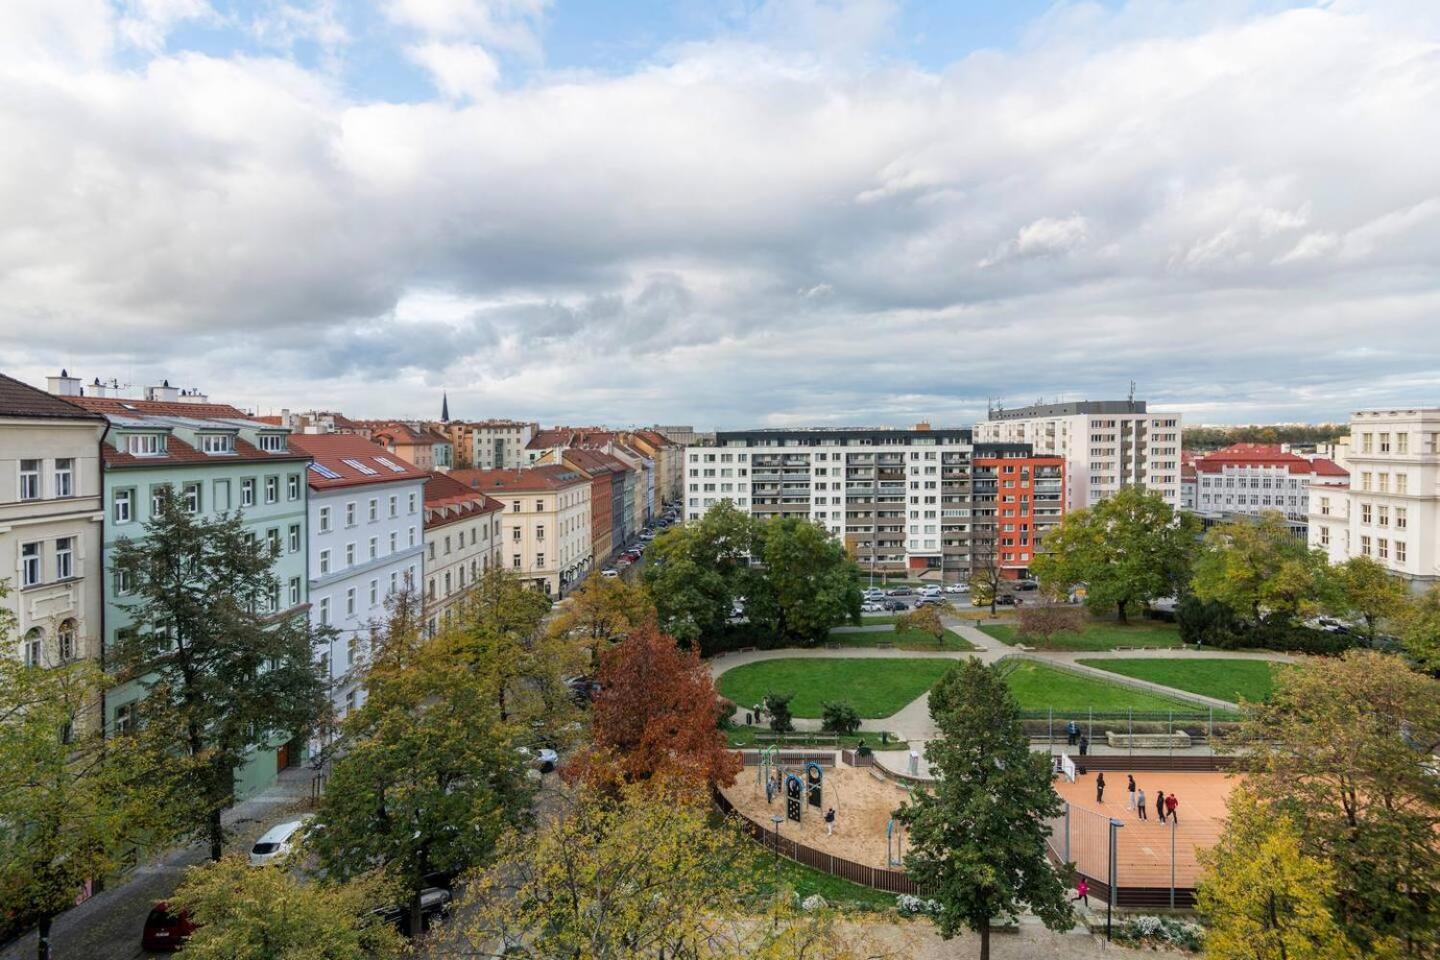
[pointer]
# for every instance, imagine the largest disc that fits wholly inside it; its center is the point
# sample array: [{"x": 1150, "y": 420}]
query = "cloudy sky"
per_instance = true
[{"x": 726, "y": 212}]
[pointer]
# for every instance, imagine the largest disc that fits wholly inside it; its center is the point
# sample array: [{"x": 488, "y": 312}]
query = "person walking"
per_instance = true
[
  {"x": 1100, "y": 788},
  {"x": 1072, "y": 733},
  {"x": 1140, "y": 803},
  {"x": 1084, "y": 744},
  {"x": 1130, "y": 789},
  {"x": 1160, "y": 805},
  {"x": 1170, "y": 804},
  {"x": 1082, "y": 891},
  {"x": 830, "y": 821}
]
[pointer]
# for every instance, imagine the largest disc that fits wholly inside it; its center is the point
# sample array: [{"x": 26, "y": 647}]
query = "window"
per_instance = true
[
  {"x": 394, "y": 505},
  {"x": 123, "y": 584},
  {"x": 122, "y": 510},
  {"x": 539, "y": 559},
  {"x": 412, "y": 503},
  {"x": 374, "y": 547},
  {"x": 192, "y": 498},
  {"x": 321, "y": 470},
  {"x": 447, "y": 545},
  {"x": 272, "y": 539},
  {"x": 324, "y": 562},
  {"x": 124, "y": 718},
  {"x": 412, "y": 536},
  {"x": 349, "y": 554},
  {"x": 272, "y": 489},
  {"x": 247, "y": 492},
  {"x": 374, "y": 509},
  {"x": 1402, "y": 445},
  {"x": 65, "y": 477},
  {"x": 272, "y": 442},
  {"x": 1382, "y": 548},
  {"x": 29, "y": 564},
  {"x": 294, "y": 538},
  {"x": 1365, "y": 546},
  {"x": 364, "y": 468},
  {"x": 64, "y": 558},
  {"x": 222, "y": 495},
  {"x": 221, "y": 443},
  {"x": 1402, "y": 482},
  {"x": 29, "y": 479},
  {"x": 350, "y": 514},
  {"x": 158, "y": 495},
  {"x": 514, "y": 506},
  {"x": 1400, "y": 545},
  {"x": 394, "y": 582},
  {"x": 350, "y": 602},
  {"x": 34, "y": 645},
  {"x": 324, "y": 519},
  {"x": 294, "y": 591},
  {"x": 67, "y": 639},
  {"x": 540, "y": 531},
  {"x": 292, "y": 486},
  {"x": 1324, "y": 536},
  {"x": 394, "y": 541},
  {"x": 1365, "y": 513},
  {"x": 1401, "y": 519},
  {"x": 374, "y": 592},
  {"x": 515, "y": 561},
  {"x": 145, "y": 444},
  {"x": 324, "y": 611},
  {"x": 515, "y": 534}
]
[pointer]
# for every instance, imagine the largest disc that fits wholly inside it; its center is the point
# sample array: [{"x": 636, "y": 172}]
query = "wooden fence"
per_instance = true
[{"x": 879, "y": 878}]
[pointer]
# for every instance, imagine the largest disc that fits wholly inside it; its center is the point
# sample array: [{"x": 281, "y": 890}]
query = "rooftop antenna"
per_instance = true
[{"x": 1132, "y": 394}]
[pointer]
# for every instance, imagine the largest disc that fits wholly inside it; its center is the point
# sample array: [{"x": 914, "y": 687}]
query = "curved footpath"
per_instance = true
[{"x": 912, "y": 722}]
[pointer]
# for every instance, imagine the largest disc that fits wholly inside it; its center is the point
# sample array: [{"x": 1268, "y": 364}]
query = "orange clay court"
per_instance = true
[{"x": 863, "y": 804}]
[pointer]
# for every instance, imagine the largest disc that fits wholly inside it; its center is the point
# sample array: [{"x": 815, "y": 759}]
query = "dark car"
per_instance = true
[
  {"x": 929, "y": 601},
  {"x": 1006, "y": 600},
  {"x": 434, "y": 906},
  {"x": 902, "y": 592},
  {"x": 166, "y": 930},
  {"x": 1027, "y": 585}
]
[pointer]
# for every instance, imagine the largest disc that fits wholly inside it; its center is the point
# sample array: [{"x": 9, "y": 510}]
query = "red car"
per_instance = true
[{"x": 166, "y": 931}]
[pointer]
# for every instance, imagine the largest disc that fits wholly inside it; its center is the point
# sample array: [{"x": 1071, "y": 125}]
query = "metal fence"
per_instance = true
[{"x": 1051, "y": 727}]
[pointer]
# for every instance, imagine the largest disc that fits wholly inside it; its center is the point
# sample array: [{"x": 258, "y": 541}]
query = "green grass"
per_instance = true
[
  {"x": 1040, "y": 687},
  {"x": 806, "y": 881},
  {"x": 1098, "y": 636},
  {"x": 905, "y": 640},
  {"x": 743, "y": 736},
  {"x": 1224, "y": 679},
  {"x": 874, "y": 687}
]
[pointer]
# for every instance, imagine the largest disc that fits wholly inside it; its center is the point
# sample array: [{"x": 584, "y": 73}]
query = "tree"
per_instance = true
[
  {"x": 1044, "y": 623},
  {"x": 1127, "y": 550},
  {"x": 655, "y": 718},
  {"x": 986, "y": 573},
  {"x": 72, "y": 806},
  {"x": 778, "y": 706},
  {"x": 246, "y": 914},
  {"x": 1420, "y": 629},
  {"x": 806, "y": 584},
  {"x": 927, "y": 619},
  {"x": 601, "y": 613},
  {"x": 500, "y": 632},
  {"x": 221, "y": 672},
  {"x": 1263, "y": 898},
  {"x": 839, "y": 717},
  {"x": 977, "y": 837},
  {"x": 1367, "y": 590},
  {"x": 1344, "y": 747},
  {"x": 430, "y": 777},
  {"x": 1261, "y": 572},
  {"x": 697, "y": 570}
]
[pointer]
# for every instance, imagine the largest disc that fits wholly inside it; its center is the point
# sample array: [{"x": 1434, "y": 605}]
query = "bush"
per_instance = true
[
  {"x": 1164, "y": 930},
  {"x": 778, "y": 706},
  {"x": 1213, "y": 624},
  {"x": 1209, "y": 623},
  {"x": 839, "y": 717}
]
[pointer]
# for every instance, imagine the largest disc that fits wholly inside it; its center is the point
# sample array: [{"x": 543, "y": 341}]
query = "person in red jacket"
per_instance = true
[
  {"x": 1170, "y": 804},
  {"x": 1082, "y": 892}
]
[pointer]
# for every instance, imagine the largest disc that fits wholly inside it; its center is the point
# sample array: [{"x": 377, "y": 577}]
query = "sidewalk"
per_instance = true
[{"x": 108, "y": 925}]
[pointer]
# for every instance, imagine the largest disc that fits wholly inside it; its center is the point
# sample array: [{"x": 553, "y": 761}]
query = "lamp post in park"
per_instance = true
[
  {"x": 777, "y": 820},
  {"x": 1115, "y": 825}
]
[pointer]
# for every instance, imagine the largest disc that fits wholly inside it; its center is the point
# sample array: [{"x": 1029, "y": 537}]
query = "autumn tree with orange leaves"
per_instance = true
[{"x": 655, "y": 718}]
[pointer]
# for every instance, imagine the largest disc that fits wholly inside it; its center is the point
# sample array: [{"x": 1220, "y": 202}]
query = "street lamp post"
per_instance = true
[
  {"x": 777, "y": 820},
  {"x": 1110, "y": 900}
]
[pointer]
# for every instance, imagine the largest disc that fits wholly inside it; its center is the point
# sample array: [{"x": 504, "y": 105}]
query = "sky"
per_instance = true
[{"x": 727, "y": 213}]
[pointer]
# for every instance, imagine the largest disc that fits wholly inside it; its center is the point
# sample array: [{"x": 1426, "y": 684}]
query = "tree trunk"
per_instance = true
[
  {"x": 1120, "y": 610},
  {"x": 415, "y": 915},
  {"x": 985, "y": 942},
  {"x": 217, "y": 835},
  {"x": 42, "y": 940}
]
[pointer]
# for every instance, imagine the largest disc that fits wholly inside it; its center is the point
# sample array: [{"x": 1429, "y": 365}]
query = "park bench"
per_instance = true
[
  {"x": 1024, "y": 648},
  {"x": 831, "y": 645},
  {"x": 1148, "y": 740},
  {"x": 884, "y": 644}
]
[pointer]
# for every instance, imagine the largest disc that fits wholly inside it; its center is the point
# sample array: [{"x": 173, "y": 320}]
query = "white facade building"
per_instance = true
[
  {"x": 1256, "y": 478},
  {"x": 1107, "y": 445},
  {"x": 366, "y": 532},
  {"x": 501, "y": 444},
  {"x": 1391, "y": 510},
  {"x": 462, "y": 543}
]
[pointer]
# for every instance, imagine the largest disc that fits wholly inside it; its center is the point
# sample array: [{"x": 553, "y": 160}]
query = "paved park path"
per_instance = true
[{"x": 912, "y": 722}]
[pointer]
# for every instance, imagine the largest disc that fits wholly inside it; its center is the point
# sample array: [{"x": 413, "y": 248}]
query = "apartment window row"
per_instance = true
[
  {"x": 32, "y": 561},
  {"x": 61, "y": 476}
]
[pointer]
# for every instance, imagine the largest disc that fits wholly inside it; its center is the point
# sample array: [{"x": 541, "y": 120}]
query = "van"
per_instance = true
[{"x": 276, "y": 842}]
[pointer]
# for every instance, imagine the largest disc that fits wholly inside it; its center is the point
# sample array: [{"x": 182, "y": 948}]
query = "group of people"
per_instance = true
[
  {"x": 1165, "y": 806},
  {"x": 1074, "y": 737}
]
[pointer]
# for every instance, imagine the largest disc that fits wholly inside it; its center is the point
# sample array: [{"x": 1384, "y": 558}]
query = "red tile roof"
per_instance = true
[
  {"x": 447, "y": 501},
  {"x": 1265, "y": 455},
  {"x": 19, "y": 399},
  {"x": 534, "y": 480},
  {"x": 545, "y": 439},
  {"x": 120, "y": 407},
  {"x": 593, "y": 461},
  {"x": 331, "y": 450}
]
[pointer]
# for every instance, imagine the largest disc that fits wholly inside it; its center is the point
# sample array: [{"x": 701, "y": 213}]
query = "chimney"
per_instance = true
[
  {"x": 164, "y": 393},
  {"x": 193, "y": 395},
  {"x": 923, "y": 425},
  {"x": 63, "y": 385}
]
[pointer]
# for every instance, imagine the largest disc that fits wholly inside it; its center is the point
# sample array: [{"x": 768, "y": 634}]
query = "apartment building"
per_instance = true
[
  {"x": 545, "y": 523},
  {"x": 900, "y": 500},
  {"x": 500, "y": 444},
  {"x": 415, "y": 444},
  {"x": 1256, "y": 478},
  {"x": 1391, "y": 509},
  {"x": 1018, "y": 500},
  {"x": 669, "y": 460},
  {"x": 462, "y": 543},
  {"x": 50, "y": 526},
  {"x": 1107, "y": 445},
  {"x": 607, "y": 493},
  {"x": 220, "y": 462},
  {"x": 364, "y": 542}
]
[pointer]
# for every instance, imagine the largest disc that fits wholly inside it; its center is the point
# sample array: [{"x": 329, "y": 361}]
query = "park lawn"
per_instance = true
[
  {"x": 742, "y": 737},
  {"x": 875, "y": 687},
  {"x": 1040, "y": 687},
  {"x": 906, "y": 640},
  {"x": 806, "y": 881},
  {"x": 1098, "y": 635},
  {"x": 1219, "y": 677}
]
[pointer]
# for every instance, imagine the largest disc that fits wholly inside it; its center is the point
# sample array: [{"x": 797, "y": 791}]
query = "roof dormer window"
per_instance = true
[
  {"x": 272, "y": 442},
  {"x": 145, "y": 444},
  {"x": 217, "y": 443}
]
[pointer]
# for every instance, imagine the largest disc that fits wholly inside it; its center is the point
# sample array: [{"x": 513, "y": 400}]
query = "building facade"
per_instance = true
[
  {"x": 364, "y": 543},
  {"x": 605, "y": 485},
  {"x": 1018, "y": 500},
  {"x": 545, "y": 522},
  {"x": 1255, "y": 478},
  {"x": 500, "y": 444},
  {"x": 462, "y": 543},
  {"x": 1391, "y": 509},
  {"x": 50, "y": 526},
  {"x": 1107, "y": 445}
]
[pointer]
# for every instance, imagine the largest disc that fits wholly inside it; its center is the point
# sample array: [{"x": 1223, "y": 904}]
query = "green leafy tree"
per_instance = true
[
  {"x": 1044, "y": 622},
  {"x": 246, "y": 914},
  {"x": 601, "y": 613},
  {"x": 221, "y": 672},
  {"x": 928, "y": 619},
  {"x": 1127, "y": 550},
  {"x": 1263, "y": 897},
  {"x": 977, "y": 838},
  {"x": 806, "y": 583},
  {"x": 1262, "y": 573},
  {"x": 72, "y": 805},
  {"x": 697, "y": 570},
  {"x": 430, "y": 777},
  {"x": 839, "y": 717},
  {"x": 1369, "y": 591},
  {"x": 778, "y": 706},
  {"x": 1420, "y": 629},
  {"x": 1345, "y": 748}
]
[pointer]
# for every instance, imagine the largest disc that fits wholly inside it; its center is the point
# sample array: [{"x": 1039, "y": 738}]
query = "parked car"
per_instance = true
[
  {"x": 934, "y": 601},
  {"x": 931, "y": 591},
  {"x": 1027, "y": 585},
  {"x": 894, "y": 605},
  {"x": 958, "y": 588},
  {"x": 434, "y": 906},
  {"x": 1007, "y": 600},
  {"x": 902, "y": 592},
  {"x": 277, "y": 842},
  {"x": 873, "y": 593},
  {"x": 609, "y": 573},
  {"x": 166, "y": 930},
  {"x": 870, "y": 606}
]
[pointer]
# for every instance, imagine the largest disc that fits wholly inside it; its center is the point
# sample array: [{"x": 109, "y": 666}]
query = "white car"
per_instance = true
[
  {"x": 609, "y": 573},
  {"x": 277, "y": 842},
  {"x": 930, "y": 592},
  {"x": 874, "y": 593},
  {"x": 871, "y": 606},
  {"x": 958, "y": 588}
]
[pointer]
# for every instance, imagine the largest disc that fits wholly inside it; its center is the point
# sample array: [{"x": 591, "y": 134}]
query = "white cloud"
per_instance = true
[
  {"x": 511, "y": 25},
  {"x": 461, "y": 71},
  {"x": 1046, "y": 237}
]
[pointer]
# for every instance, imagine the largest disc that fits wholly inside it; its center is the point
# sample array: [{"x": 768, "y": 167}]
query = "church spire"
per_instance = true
[{"x": 444, "y": 407}]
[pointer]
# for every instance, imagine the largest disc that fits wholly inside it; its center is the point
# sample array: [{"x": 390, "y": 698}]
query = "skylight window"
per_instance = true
[
  {"x": 394, "y": 467},
  {"x": 324, "y": 471},
  {"x": 363, "y": 468}
]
